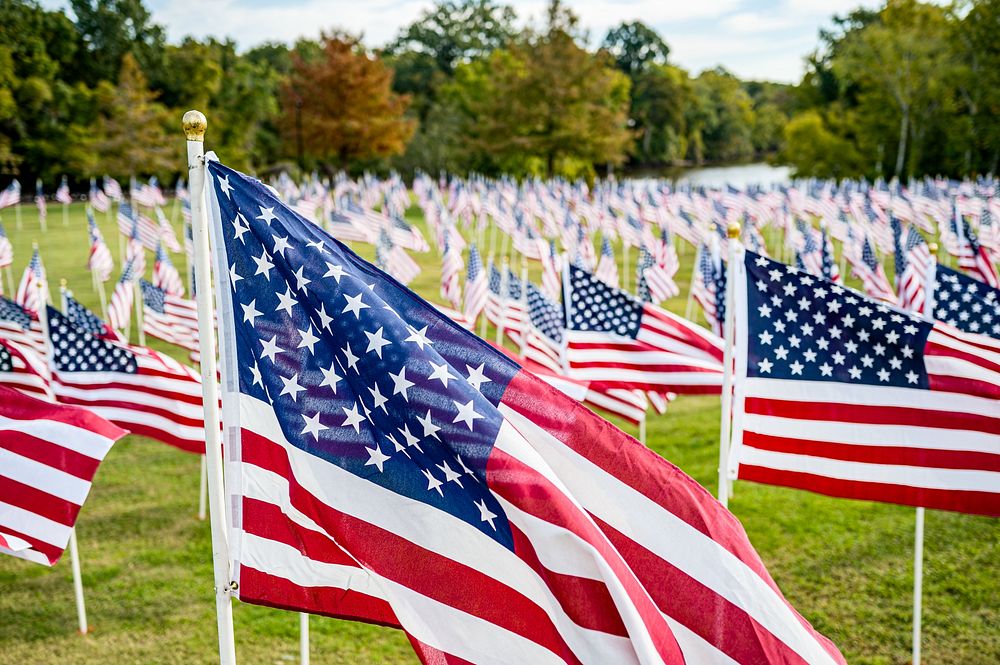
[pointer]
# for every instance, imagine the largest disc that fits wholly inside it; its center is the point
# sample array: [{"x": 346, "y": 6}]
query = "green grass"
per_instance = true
[{"x": 845, "y": 565}]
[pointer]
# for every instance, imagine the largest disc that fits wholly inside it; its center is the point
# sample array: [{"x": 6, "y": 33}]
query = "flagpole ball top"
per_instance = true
[
  {"x": 733, "y": 230},
  {"x": 932, "y": 247},
  {"x": 195, "y": 124},
  {"x": 63, "y": 283}
]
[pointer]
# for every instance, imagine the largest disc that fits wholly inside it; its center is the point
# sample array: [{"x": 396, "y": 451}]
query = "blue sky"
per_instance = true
[{"x": 752, "y": 38}]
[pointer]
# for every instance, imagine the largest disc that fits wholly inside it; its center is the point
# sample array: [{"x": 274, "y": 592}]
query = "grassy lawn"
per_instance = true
[{"x": 845, "y": 565}]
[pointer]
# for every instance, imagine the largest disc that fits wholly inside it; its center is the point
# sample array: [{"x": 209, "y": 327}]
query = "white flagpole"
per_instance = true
[
  {"x": 203, "y": 488},
  {"x": 303, "y": 638},
  {"x": 729, "y": 332},
  {"x": 137, "y": 298},
  {"x": 74, "y": 562},
  {"x": 10, "y": 281},
  {"x": 195, "y": 124},
  {"x": 504, "y": 283}
]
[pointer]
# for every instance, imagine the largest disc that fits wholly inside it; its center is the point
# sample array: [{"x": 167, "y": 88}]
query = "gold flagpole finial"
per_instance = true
[
  {"x": 932, "y": 247},
  {"x": 195, "y": 124},
  {"x": 733, "y": 230},
  {"x": 63, "y": 283}
]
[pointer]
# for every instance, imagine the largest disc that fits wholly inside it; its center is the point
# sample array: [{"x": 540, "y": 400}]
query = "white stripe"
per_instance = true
[
  {"x": 960, "y": 368},
  {"x": 180, "y": 388},
  {"x": 637, "y": 357},
  {"x": 672, "y": 539},
  {"x": 965, "y": 480},
  {"x": 43, "y": 477},
  {"x": 134, "y": 417},
  {"x": 665, "y": 378},
  {"x": 74, "y": 438},
  {"x": 864, "y": 434},
  {"x": 175, "y": 407},
  {"x": 29, "y": 555},
  {"x": 34, "y": 525}
]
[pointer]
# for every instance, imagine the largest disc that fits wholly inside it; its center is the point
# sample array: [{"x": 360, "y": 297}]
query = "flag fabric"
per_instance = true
[
  {"x": 166, "y": 231},
  {"x": 32, "y": 290},
  {"x": 40, "y": 201},
  {"x": 6, "y": 249},
  {"x": 20, "y": 326},
  {"x": 475, "y": 286},
  {"x": 84, "y": 319},
  {"x": 966, "y": 303},
  {"x": 708, "y": 287},
  {"x": 112, "y": 189},
  {"x": 623, "y": 343},
  {"x": 11, "y": 195},
  {"x": 867, "y": 268},
  {"x": 132, "y": 386},
  {"x": 122, "y": 298},
  {"x": 23, "y": 369},
  {"x": 607, "y": 266},
  {"x": 393, "y": 259},
  {"x": 660, "y": 276},
  {"x": 913, "y": 264},
  {"x": 973, "y": 257},
  {"x": 100, "y": 261},
  {"x": 451, "y": 267},
  {"x": 165, "y": 275},
  {"x": 137, "y": 227},
  {"x": 62, "y": 192},
  {"x": 98, "y": 199},
  {"x": 50, "y": 453},
  {"x": 843, "y": 395},
  {"x": 169, "y": 317},
  {"x": 552, "y": 272},
  {"x": 504, "y": 305},
  {"x": 389, "y": 466}
]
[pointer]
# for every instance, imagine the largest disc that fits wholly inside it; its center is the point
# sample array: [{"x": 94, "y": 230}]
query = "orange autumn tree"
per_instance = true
[{"x": 339, "y": 108}]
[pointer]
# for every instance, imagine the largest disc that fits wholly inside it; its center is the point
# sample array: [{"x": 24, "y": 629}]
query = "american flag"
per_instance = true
[
  {"x": 166, "y": 231},
  {"x": 388, "y": 466},
  {"x": 165, "y": 275},
  {"x": 112, "y": 189},
  {"x": 966, "y": 303},
  {"x": 504, "y": 307},
  {"x": 659, "y": 276},
  {"x": 546, "y": 332},
  {"x": 32, "y": 290},
  {"x": 644, "y": 262},
  {"x": 50, "y": 455},
  {"x": 123, "y": 297},
  {"x": 137, "y": 227},
  {"x": 23, "y": 369},
  {"x": 913, "y": 263},
  {"x": 134, "y": 387},
  {"x": 607, "y": 266},
  {"x": 100, "y": 262},
  {"x": 475, "y": 286},
  {"x": 11, "y": 195},
  {"x": 393, "y": 259},
  {"x": 843, "y": 395},
  {"x": 62, "y": 192},
  {"x": 614, "y": 339},
  {"x": 973, "y": 257},
  {"x": 21, "y": 326},
  {"x": 708, "y": 287},
  {"x": 6, "y": 249},
  {"x": 349, "y": 227},
  {"x": 98, "y": 199},
  {"x": 147, "y": 194},
  {"x": 867, "y": 268},
  {"x": 169, "y": 317},
  {"x": 85, "y": 320},
  {"x": 551, "y": 272},
  {"x": 43, "y": 212},
  {"x": 451, "y": 268}
]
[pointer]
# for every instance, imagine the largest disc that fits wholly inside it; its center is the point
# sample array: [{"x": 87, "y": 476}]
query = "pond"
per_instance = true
[{"x": 718, "y": 176}]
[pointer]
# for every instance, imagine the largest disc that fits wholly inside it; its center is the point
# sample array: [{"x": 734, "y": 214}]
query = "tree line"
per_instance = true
[{"x": 905, "y": 90}]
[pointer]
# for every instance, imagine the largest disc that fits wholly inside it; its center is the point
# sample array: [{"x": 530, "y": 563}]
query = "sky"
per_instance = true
[{"x": 755, "y": 39}]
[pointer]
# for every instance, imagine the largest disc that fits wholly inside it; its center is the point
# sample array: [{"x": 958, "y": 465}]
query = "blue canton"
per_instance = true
[
  {"x": 75, "y": 350},
  {"x": 153, "y": 297},
  {"x": 11, "y": 311},
  {"x": 546, "y": 316},
  {"x": 966, "y": 303},
  {"x": 83, "y": 318},
  {"x": 595, "y": 306},
  {"x": 806, "y": 328}
]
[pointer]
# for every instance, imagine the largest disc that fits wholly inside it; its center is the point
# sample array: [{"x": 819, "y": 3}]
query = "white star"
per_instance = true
[
  {"x": 376, "y": 457},
  {"x": 280, "y": 245},
  {"x": 766, "y": 337},
  {"x": 796, "y": 367},
  {"x": 353, "y": 419},
  {"x": 270, "y": 348},
  {"x": 465, "y": 469},
  {"x": 765, "y": 366},
  {"x": 334, "y": 271},
  {"x": 419, "y": 337},
  {"x": 883, "y": 374},
  {"x": 267, "y": 214},
  {"x": 286, "y": 301},
  {"x": 826, "y": 370},
  {"x": 313, "y": 425},
  {"x": 308, "y": 339},
  {"x": 809, "y": 355},
  {"x": 764, "y": 311},
  {"x": 855, "y": 372},
  {"x": 250, "y": 312},
  {"x": 330, "y": 377},
  {"x": 432, "y": 482},
  {"x": 441, "y": 373},
  {"x": 484, "y": 513},
  {"x": 301, "y": 280},
  {"x": 351, "y": 359},
  {"x": 476, "y": 376},
  {"x": 234, "y": 276},
  {"x": 225, "y": 186},
  {"x": 264, "y": 264},
  {"x": 430, "y": 429},
  {"x": 292, "y": 387},
  {"x": 324, "y": 319},
  {"x": 257, "y": 378},
  {"x": 781, "y": 353},
  {"x": 376, "y": 342},
  {"x": 378, "y": 400},
  {"x": 895, "y": 363},
  {"x": 912, "y": 376},
  {"x": 450, "y": 475},
  {"x": 867, "y": 360},
  {"x": 240, "y": 227},
  {"x": 318, "y": 245},
  {"x": 466, "y": 413},
  {"x": 354, "y": 305},
  {"x": 400, "y": 384},
  {"x": 410, "y": 439}
]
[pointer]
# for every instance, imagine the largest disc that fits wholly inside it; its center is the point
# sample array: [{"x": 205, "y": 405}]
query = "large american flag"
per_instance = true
[
  {"x": 843, "y": 395},
  {"x": 132, "y": 386},
  {"x": 386, "y": 465},
  {"x": 966, "y": 303},
  {"x": 50, "y": 455}
]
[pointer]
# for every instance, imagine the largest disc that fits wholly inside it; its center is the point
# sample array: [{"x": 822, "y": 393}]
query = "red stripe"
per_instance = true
[
  {"x": 891, "y": 455},
  {"x": 18, "y": 406},
  {"x": 50, "y": 454},
  {"x": 934, "y": 349},
  {"x": 50, "y": 552},
  {"x": 978, "y": 503},
  {"x": 964, "y": 386},
  {"x": 872, "y": 414},
  {"x": 425, "y": 572},
  {"x": 162, "y": 411},
  {"x": 38, "y": 501}
]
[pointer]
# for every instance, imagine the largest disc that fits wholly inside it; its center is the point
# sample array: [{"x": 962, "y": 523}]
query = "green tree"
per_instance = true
[
  {"x": 722, "y": 117},
  {"x": 817, "y": 151},
  {"x": 110, "y": 29},
  {"x": 660, "y": 95},
  {"x": 635, "y": 46}
]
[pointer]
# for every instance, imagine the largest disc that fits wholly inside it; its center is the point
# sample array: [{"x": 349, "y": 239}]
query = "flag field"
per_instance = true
[{"x": 846, "y": 565}]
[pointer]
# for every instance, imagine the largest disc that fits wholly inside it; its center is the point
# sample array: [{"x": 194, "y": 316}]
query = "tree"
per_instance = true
[
  {"x": 110, "y": 29},
  {"x": 635, "y": 46},
  {"x": 815, "y": 150},
  {"x": 722, "y": 117},
  {"x": 340, "y": 107},
  {"x": 660, "y": 96},
  {"x": 131, "y": 135}
]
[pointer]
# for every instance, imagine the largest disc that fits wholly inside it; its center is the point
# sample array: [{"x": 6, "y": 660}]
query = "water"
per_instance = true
[{"x": 737, "y": 176}]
